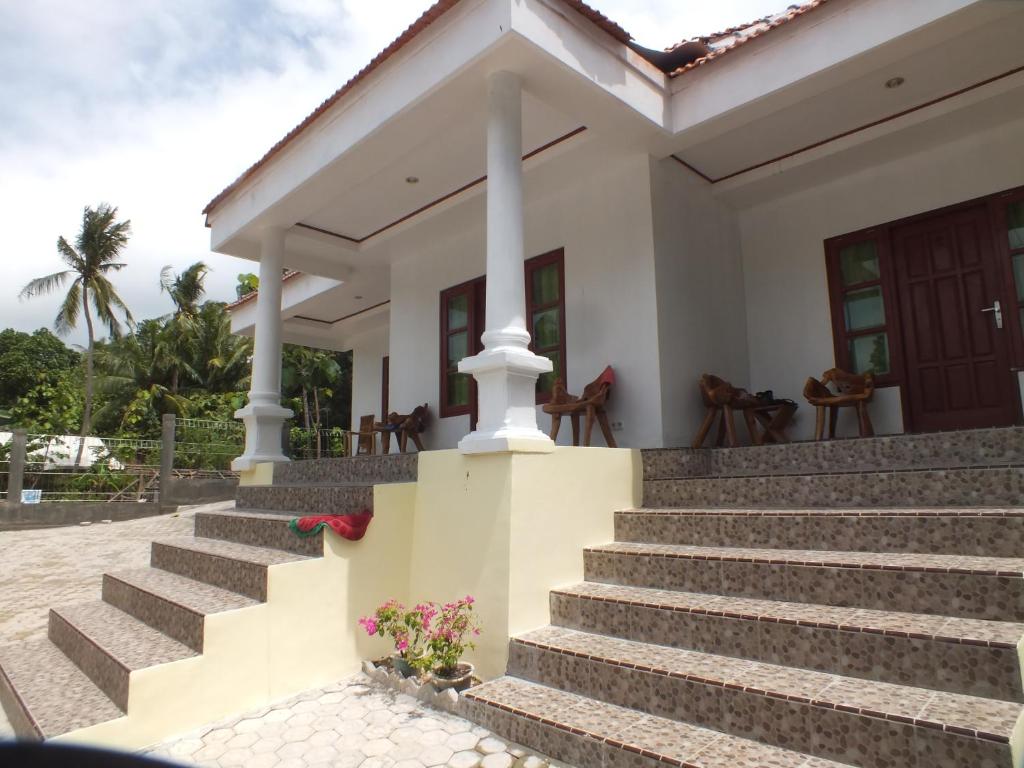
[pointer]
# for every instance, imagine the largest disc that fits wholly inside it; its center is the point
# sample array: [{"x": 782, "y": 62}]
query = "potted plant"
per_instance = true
[
  {"x": 450, "y": 637},
  {"x": 408, "y": 630}
]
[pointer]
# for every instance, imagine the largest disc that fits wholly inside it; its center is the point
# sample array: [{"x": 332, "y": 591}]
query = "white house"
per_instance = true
[{"x": 838, "y": 185}]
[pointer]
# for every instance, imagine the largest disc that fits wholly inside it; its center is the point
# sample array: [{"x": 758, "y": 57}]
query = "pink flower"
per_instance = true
[
  {"x": 403, "y": 644},
  {"x": 369, "y": 624}
]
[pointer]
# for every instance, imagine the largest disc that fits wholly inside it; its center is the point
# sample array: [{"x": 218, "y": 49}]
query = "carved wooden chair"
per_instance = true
[
  {"x": 851, "y": 391},
  {"x": 590, "y": 404},
  {"x": 721, "y": 399},
  {"x": 405, "y": 426},
  {"x": 363, "y": 440}
]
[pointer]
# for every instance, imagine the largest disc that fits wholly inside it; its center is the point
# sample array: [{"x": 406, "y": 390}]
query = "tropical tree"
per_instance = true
[
  {"x": 94, "y": 256},
  {"x": 221, "y": 359},
  {"x": 186, "y": 290},
  {"x": 25, "y": 356},
  {"x": 308, "y": 372}
]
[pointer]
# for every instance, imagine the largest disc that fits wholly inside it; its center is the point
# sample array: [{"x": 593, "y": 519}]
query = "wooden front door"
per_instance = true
[{"x": 957, "y": 359}]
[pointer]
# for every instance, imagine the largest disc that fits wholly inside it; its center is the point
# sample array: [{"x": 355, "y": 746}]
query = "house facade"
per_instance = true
[{"x": 841, "y": 184}]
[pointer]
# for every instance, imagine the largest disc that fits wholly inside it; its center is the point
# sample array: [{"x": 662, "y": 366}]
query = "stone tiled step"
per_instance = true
[
  {"x": 978, "y": 658},
  {"x": 952, "y": 531},
  {"x": 965, "y": 487},
  {"x": 258, "y": 529},
  {"x": 236, "y": 567},
  {"x": 392, "y": 468},
  {"x": 108, "y": 645},
  {"x": 303, "y": 499},
  {"x": 173, "y": 604},
  {"x": 945, "y": 585},
  {"x": 863, "y": 722},
  {"x": 967, "y": 448},
  {"x": 44, "y": 694},
  {"x": 591, "y": 733}
]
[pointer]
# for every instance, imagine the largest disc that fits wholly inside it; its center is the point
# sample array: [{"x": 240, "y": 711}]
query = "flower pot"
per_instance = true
[
  {"x": 460, "y": 681},
  {"x": 402, "y": 666}
]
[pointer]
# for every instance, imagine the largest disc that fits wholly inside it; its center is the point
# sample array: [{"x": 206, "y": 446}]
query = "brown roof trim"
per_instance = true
[
  {"x": 429, "y": 16},
  {"x": 769, "y": 23}
]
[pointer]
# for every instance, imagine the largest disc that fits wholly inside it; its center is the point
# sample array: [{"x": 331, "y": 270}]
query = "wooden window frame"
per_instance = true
[
  {"x": 473, "y": 289},
  {"x": 385, "y": 386},
  {"x": 556, "y": 257},
  {"x": 841, "y": 337},
  {"x": 1011, "y": 314}
]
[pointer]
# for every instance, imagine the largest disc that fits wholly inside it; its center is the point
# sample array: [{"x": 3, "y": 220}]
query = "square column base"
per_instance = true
[
  {"x": 506, "y": 385},
  {"x": 263, "y": 425}
]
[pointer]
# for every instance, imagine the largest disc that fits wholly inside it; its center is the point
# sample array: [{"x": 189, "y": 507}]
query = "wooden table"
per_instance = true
[{"x": 773, "y": 417}]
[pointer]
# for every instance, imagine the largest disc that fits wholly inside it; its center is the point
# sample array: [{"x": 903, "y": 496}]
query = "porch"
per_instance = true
[{"x": 763, "y": 233}]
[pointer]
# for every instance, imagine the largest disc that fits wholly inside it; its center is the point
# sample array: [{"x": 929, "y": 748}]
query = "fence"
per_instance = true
[
  {"x": 302, "y": 443},
  {"x": 37, "y": 468}
]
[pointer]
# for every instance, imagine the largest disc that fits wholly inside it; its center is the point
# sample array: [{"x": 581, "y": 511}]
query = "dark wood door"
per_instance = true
[{"x": 957, "y": 358}]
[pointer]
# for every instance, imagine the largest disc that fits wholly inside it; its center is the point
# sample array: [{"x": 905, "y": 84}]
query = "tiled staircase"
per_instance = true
[
  {"x": 856, "y": 602},
  {"x": 133, "y": 654}
]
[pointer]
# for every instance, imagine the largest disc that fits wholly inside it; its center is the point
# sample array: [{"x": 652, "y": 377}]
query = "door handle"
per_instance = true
[{"x": 998, "y": 309}]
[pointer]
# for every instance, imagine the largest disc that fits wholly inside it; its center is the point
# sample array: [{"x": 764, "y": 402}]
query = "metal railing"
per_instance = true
[{"x": 316, "y": 443}]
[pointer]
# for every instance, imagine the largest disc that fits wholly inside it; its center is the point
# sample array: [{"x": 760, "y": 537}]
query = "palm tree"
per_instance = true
[
  {"x": 186, "y": 291},
  {"x": 94, "y": 255}
]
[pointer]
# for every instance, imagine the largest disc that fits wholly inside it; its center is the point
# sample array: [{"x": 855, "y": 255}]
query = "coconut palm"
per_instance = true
[
  {"x": 186, "y": 291},
  {"x": 94, "y": 256}
]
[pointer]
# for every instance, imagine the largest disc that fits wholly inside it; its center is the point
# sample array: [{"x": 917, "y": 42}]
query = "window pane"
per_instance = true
[
  {"x": 870, "y": 353},
  {"x": 859, "y": 263},
  {"x": 545, "y": 284},
  {"x": 1015, "y": 224},
  {"x": 458, "y": 389},
  {"x": 546, "y": 381},
  {"x": 458, "y": 347},
  {"x": 546, "y": 331},
  {"x": 1018, "y": 274},
  {"x": 458, "y": 311},
  {"x": 864, "y": 308}
]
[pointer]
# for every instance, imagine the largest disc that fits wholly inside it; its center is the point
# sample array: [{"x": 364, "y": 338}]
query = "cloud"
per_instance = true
[{"x": 156, "y": 106}]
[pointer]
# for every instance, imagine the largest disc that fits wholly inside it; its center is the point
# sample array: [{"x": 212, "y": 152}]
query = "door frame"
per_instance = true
[{"x": 995, "y": 206}]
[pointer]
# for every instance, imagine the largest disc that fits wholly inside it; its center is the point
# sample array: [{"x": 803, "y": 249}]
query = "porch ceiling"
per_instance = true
[{"x": 957, "y": 52}]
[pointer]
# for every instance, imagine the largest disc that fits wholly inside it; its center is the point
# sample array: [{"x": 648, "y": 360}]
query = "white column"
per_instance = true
[
  {"x": 506, "y": 371},
  {"x": 263, "y": 415}
]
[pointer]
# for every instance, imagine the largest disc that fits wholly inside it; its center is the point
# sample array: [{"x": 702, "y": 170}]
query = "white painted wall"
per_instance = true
[
  {"x": 368, "y": 350},
  {"x": 788, "y": 316},
  {"x": 596, "y": 205},
  {"x": 702, "y": 322}
]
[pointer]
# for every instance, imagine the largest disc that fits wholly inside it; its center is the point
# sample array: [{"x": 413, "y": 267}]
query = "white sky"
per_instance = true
[{"x": 155, "y": 107}]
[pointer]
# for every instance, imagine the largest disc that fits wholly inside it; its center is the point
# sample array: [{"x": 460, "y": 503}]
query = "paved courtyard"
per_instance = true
[{"x": 355, "y": 722}]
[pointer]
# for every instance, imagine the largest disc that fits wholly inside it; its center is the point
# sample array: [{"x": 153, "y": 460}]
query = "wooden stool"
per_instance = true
[
  {"x": 590, "y": 404},
  {"x": 853, "y": 391}
]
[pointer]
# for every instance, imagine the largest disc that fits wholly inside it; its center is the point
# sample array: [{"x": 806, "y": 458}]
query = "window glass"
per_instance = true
[
  {"x": 546, "y": 381},
  {"x": 458, "y": 389},
  {"x": 1015, "y": 224},
  {"x": 458, "y": 311},
  {"x": 1018, "y": 274},
  {"x": 458, "y": 347},
  {"x": 870, "y": 353},
  {"x": 859, "y": 263},
  {"x": 545, "y": 285},
  {"x": 864, "y": 308},
  {"x": 546, "y": 332}
]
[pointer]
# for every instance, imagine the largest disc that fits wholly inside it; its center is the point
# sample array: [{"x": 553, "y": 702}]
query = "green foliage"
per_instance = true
[
  {"x": 23, "y": 356},
  {"x": 247, "y": 283},
  {"x": 53, "y": 406}
]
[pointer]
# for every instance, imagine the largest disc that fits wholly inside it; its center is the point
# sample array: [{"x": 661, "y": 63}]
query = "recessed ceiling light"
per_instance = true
[
  {"x": 412, "y": 179},
  {"x": 894, "y": 82},
  {"x": 358, "y": 297}
]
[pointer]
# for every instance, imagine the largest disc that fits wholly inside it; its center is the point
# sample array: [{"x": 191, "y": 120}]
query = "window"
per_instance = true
[
  {"x": 1015, "y": 236},
  {"x": 860, "y": 315},
  {"x": 545, "y": 316},
  {"x": 461, "y": 325}
]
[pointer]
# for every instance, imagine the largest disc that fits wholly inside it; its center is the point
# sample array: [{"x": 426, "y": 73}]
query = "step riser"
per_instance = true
[
  {"x": 20, "y": 720},
  {"x": 306, "y": 500},
  {"x": 249, "y": 579},
  {"x": 996, "y": 487},
  {"x": 971, "y": 448},
  {"x": 953, "y": 667},
  {"x": 574, "y": 749},
  {"x": 173, "y": 620},
  {"x": 865, "y": 741},
  {"x": 973, "y": 535},
  {"x": 994, "y": 598},
  {"x": 257, "y": 532},
  {"x": 392, "y": 468},
  {"x": 108, "y": 675}
]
